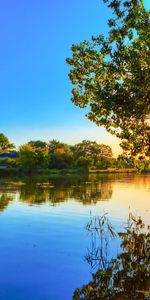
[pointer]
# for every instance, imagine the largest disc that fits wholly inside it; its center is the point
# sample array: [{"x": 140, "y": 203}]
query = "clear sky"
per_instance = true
[{"x": 35, "y": 37}]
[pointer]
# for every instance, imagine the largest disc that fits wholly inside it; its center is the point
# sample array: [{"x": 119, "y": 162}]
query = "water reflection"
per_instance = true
[
  {"x": 35, "y": 191},
  {"x": 86, "y": 189},
  {"x": 102, "y": 238},
  {"x": 91, "y": 192},
  {"x": 125, "y": 277},
  {"x": 5, "y": 199},
  {"x": 47, "y": 215}
]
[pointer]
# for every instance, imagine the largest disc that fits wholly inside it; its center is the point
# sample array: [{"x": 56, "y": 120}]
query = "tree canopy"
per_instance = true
[
  {"x": 4, "y": 143},
  {"x": 31, "y": 158},
  {"x": 111, "y": 76},
  {"x": 38, "y": 144},
  {"x": 93, "y": 150},
  {"x": 40, "y": 155}
]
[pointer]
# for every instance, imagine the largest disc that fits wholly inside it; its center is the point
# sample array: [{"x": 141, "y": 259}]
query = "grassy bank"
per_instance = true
[
  {"x": 20, "y": 172},
  {"x": 114, "y": 170}
]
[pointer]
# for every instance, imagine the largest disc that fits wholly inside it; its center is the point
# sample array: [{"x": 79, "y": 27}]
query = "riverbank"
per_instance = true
[
  {"x": 20, "y": 172},
  {"x": 114, "y": 170}
]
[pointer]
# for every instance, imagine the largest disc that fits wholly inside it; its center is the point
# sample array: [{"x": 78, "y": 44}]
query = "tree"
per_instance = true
[
  {"x": 27, "y": 157},
  {"x": 38, "y": 144},
  {"x": 57, "y": 161},
  {"x": 84, "y": 162},
  {"x": 5, "y": 144},
  {"x": 60, "y": 155},
  {"x": 92, "y": 150},
  {"x": 111, "y": 76},
  {"x": 103, "y": 163},
  {"x": 57, "y": 147},
  {"x": 53, "y": 145},
  {"x": 31, "y": 158},
  {"x": 124, "y": 161}
]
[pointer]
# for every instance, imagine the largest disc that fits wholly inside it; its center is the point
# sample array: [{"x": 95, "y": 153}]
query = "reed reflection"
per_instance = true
[{"x": 127, "y": 275}]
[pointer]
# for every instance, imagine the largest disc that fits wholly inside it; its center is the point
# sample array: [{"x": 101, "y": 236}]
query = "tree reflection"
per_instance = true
[
  {"x": 54, "y": 190},
  {"x": 126, "y": 277},
  {"x": 92, "y": 192},
  {"x": 8, "y": 190},
  {"x": 59, "y": 190},
  {"x": 5, "y": 199}
]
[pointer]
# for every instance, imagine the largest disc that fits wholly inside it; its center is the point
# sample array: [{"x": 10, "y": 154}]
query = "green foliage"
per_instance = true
[
  {"x": 128, "y": 275},
  {"x": 27, "y": 157},
  {"x": 92, "y": 150},
  {"x": 57, "y": 155},
  {"x": 141, "y": 165},
  {"x": 58, "y": 148},
  {"x": 9, "y": 162},
  {"x": 38, "y": 144},
  {"x": 60, "y": 155},
  {"x": 124, "y": 161},
  {"x": 53, "y": 145},
  {"x": 41, "y": 158},
  {"x": 31, "y": 158},
  {"x": 57, "y": 161},
  {"x": 84, "y": 162},
  {"x": 4, "y": 143},
  {"x": 111, "y": 76},
  {"x": 103, "y": 163}
]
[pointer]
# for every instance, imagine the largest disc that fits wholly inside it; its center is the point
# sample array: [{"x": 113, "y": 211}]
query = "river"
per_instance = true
[{"x": 43, "y": 240}]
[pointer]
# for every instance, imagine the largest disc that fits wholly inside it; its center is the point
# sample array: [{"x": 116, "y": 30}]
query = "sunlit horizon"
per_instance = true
[{"x": 66, "y": 135}]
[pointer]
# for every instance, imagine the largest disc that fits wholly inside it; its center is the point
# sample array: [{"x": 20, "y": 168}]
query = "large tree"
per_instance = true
[
  {"x": 60, "y": 155},
  {"x": 111, "y": 76},
  {"x": 93, "y": 151}
]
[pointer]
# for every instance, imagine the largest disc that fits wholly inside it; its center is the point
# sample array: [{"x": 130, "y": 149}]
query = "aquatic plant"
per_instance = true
[{"x": 125, "y": 277}]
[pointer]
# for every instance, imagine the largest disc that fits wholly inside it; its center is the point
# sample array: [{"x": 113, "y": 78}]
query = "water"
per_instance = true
[{"x": 43, "y": 241}]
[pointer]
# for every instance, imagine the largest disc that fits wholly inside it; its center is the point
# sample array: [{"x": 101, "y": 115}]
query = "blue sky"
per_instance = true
[{"x": 36, "y": 36}]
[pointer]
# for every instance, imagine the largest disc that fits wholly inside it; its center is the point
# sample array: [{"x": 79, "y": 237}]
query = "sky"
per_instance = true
[{"x": 36, "y": 37}]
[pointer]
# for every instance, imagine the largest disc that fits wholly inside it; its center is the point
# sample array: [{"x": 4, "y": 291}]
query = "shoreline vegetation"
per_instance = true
[
  {"x": 55, "y": 157},
  {"x": 57, "y": 172}
]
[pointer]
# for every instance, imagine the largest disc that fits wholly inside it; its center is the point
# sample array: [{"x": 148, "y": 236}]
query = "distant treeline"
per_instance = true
[{"x": 37, "y": 155}]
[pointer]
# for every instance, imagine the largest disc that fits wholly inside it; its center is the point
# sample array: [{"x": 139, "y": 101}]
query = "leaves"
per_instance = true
[
  {"x": 111, "y": 76},
  {"x": 4, "y": 143}
]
